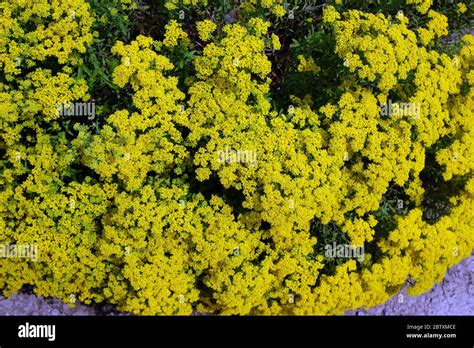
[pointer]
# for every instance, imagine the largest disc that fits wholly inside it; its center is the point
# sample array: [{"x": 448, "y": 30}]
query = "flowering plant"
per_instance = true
[{"x": 226, "y": 153}]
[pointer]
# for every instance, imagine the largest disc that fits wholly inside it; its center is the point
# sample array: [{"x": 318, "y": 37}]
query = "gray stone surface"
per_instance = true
[
  {"x": 28, "y": 304},
  {"x": 453, "y": 296}
]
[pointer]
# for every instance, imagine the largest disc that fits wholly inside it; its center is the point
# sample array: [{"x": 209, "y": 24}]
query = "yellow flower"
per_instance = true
[
  {"x": 462, "y": 8},
  {"x": 279, "y": 11},
  {"x": 308, "y": 65},
  {"x": 330, "y": 14},
  {"x": 207, "y": 185},
  {"x": 205, "y": 29},
  {"x": 276, "y": 42},
  {"x": 174, "y": 34},
  {"x": 260, "y": 26}
]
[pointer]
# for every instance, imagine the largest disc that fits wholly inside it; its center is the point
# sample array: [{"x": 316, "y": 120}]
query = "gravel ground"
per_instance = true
[
  {"x": 28, "y": 304},
  {"x": 453, "y": 296}
]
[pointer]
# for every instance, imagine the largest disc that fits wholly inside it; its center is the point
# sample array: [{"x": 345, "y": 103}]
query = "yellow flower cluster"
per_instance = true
[
  {"x": 174, "y": 34},
  {"x": 373, "y": 47},
  {"x": 457, "y": 157},
  {"x": 128, "y": 214},
  {"x": 462, "y": 8},
  {"x": 205, "y": 29},
  {"x": 436, "y": 27},
  {"x": 61, "y": 30},
  {"x": 134, "y": 143},
  {"x": 307, "y": 65},
  {"x": 173, "y": 4},
  {"x": 275, "y": 6},
  {"x": 421, "y": 5}
]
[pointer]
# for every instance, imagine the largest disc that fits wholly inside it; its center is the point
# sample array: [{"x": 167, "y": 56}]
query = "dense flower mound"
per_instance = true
[{"x": 199, "y": 180}]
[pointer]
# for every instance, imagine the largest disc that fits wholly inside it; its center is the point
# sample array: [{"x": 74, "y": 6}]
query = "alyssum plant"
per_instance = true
[{"x": 139, "y": 208}]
